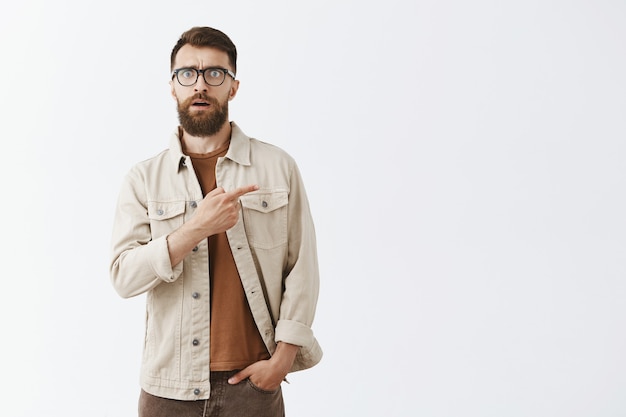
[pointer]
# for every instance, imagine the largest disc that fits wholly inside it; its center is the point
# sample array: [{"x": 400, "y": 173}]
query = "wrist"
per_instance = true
[{"x": 284, "y": 356}]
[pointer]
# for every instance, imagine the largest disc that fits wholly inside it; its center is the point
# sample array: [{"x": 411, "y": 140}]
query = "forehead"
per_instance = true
[{"x": 201, "y": 57}]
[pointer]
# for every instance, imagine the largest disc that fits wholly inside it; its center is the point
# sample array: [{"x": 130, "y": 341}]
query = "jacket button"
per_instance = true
[
  {"x": 264, "y": 204},
  {"x": 195, "y": 249},
  {"x": 195, "y": 342},
  {"x": 196, "y": 392},
  {"x": 193, "y": 204},
  {"x": 160, "y": 212},
  {"x": 195, "y": 295}
]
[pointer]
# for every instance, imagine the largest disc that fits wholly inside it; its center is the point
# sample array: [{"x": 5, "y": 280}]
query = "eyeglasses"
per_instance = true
[{"x": 212, "y": 76}]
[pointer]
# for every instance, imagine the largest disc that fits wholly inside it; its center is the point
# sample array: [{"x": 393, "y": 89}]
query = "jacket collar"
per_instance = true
[{"x": 238, "y": 151}]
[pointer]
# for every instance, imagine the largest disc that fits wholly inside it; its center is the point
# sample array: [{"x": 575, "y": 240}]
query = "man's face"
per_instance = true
[{"x": 202, "y": 108}]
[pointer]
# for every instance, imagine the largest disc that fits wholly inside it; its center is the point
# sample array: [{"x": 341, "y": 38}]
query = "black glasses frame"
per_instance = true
[{"x": 202, "y": 71}]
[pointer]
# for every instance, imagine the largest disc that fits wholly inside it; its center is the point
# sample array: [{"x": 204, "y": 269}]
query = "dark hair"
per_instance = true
[{"x": 206, "y": 36}]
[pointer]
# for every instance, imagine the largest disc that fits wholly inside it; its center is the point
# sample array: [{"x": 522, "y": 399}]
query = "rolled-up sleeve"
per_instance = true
[
  {"x": 139, "y": 262},
  {"x": 301, "y": 274}
]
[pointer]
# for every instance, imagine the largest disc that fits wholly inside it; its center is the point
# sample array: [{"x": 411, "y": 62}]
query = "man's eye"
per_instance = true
[
  {"x": 215, "y": 73},
  {"x": 187, "y": 74}
]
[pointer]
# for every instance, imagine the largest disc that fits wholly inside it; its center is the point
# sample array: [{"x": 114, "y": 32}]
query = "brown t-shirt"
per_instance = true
[{"x": 235, "y": 339}]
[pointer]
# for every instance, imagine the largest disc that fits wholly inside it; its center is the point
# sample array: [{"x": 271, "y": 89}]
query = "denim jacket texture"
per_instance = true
[{"x": 273, "y": 244}]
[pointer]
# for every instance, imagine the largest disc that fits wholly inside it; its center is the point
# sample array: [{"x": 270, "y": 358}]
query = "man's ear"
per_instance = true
[
  {"x": 172, "y": 91},
  {"x": 234, "y": 87}
]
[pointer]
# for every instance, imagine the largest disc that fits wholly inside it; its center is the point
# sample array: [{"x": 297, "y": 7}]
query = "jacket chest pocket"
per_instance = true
[
  {"x": 265, "y": 218},
  {"x": 165, "y": 217}
]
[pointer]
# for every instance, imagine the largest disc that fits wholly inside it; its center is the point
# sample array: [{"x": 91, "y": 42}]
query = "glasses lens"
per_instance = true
[
  {"x": 187, "y": 76},
  {"x": 214, "y": 76}
]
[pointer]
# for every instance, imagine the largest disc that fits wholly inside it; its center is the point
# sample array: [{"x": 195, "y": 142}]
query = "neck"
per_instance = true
[{"x": 206, "y": 144}]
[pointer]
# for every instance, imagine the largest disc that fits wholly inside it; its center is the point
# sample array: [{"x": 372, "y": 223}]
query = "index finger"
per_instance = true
[{"x": 238, "y": 192}]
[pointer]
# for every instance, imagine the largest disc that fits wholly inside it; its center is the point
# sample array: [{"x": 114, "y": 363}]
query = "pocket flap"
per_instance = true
[
  {"x": 265, "y": 202},
  {"x": 158, "y": 210}
]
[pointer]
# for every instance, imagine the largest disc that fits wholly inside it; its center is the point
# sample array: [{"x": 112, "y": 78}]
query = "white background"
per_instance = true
[{"x": 465, "y": 166}]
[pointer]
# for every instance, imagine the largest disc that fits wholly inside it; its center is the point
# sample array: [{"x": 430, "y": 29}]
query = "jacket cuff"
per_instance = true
[
  {"x": 294, "y": 333},
  {"x": 161, "y": 264}
]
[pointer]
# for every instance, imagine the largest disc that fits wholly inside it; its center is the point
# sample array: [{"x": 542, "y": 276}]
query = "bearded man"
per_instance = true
[{"x": 217, "y": 232}]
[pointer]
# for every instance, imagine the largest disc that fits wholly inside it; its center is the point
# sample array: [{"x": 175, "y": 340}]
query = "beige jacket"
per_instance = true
[{"x": 273, "y": 244}]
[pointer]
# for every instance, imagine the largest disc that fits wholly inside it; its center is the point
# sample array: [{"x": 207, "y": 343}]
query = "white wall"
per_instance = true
[{"x": 465, "y": 165}]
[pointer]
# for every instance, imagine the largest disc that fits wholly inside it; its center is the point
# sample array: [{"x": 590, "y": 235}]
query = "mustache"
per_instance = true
[{"x": 201, "y": 96}]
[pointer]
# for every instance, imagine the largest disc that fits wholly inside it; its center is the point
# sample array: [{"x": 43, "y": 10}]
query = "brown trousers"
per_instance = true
[{"x": 241, "y": 400}]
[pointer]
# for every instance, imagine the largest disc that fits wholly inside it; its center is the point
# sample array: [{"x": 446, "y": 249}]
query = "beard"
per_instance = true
[{"x": 206, "y": 123}]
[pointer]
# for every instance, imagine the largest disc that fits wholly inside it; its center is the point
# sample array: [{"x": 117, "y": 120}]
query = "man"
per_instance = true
[{"x": 217, "y": 231}]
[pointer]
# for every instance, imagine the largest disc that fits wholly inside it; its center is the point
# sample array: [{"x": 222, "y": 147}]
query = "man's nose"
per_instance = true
[{"x": 201, "y": 85}]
